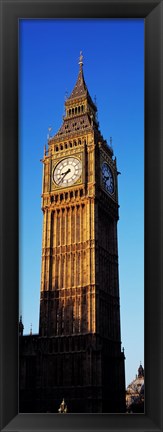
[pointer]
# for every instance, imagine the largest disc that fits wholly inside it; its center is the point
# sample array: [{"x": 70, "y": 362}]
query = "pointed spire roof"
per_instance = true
[
  {"x": 140, "y": 371},
  {"x": 80, "y": 88},
  {"x": 21, "y": 327},
  {"x": 80, "y": 110}
]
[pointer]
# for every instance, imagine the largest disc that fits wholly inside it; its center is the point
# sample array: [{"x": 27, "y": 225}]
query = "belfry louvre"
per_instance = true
[{"x": 77, "y": 354}]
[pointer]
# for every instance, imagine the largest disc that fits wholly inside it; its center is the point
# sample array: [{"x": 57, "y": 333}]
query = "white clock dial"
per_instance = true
[
  {"x": 67, "y": 172},
  {"x": 107, "y": 178}
]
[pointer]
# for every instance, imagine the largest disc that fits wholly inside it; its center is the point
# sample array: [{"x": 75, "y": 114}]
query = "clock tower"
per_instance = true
[
  {"x": 79, "y": 280},
  {"x": 79, "y": 299}
]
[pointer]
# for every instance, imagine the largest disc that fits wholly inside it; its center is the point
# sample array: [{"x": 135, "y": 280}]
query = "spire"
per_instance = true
[
  {"x": 140, "y": 371},
  {"x": 78, "y": 105},
  {"x": 21, "y": 327},
  {"x": 80, "y": 89}
]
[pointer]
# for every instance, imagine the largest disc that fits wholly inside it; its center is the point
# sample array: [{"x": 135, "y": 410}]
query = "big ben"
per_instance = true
[{"x": 77, "y": 354}]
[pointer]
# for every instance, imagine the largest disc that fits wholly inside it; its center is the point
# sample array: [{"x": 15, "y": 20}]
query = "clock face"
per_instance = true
[
  {"x": 67, "y": 172},
  {"x": 107, "y": 178}
]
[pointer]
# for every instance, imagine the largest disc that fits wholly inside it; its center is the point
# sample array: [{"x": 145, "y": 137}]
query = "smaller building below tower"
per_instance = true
[{"x": 135, "y": 393}]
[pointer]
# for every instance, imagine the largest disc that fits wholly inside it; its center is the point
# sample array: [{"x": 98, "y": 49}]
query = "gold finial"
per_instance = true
[
  {"x": 63, "y": 407},
  {"x": 81, "y": 59}
]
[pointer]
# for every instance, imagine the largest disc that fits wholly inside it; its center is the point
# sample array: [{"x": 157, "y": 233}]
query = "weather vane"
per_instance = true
[{"x": 81, "y": 59}]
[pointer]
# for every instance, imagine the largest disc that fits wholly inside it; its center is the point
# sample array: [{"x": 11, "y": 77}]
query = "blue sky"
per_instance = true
[{"x": 113, "y": 53}]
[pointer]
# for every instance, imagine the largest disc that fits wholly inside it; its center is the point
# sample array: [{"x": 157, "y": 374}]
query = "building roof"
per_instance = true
[{"x": 77, "y": 125}]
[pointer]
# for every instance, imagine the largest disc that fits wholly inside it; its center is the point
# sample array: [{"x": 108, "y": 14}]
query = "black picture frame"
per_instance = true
[{"x": 152, "y": 12}]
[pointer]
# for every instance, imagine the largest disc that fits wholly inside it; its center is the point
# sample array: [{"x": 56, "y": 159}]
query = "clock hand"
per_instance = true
[{"x": 64, "y": 174}]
